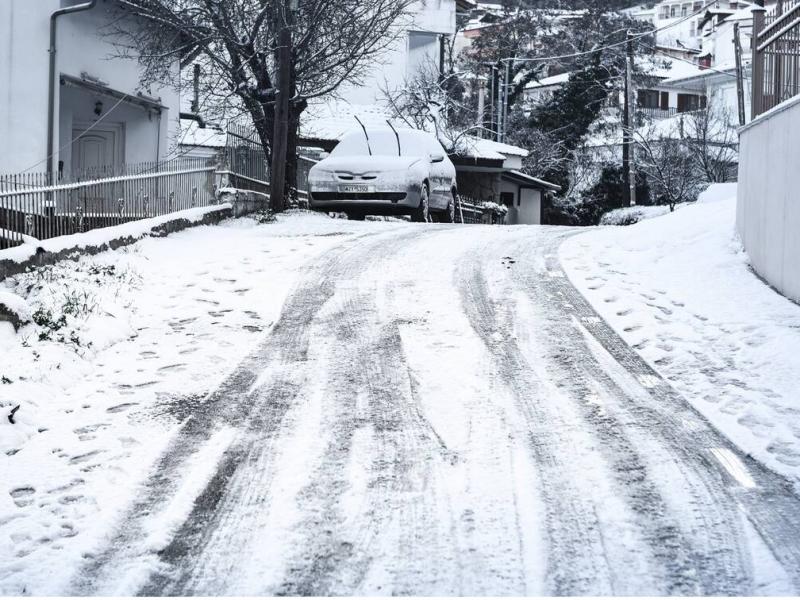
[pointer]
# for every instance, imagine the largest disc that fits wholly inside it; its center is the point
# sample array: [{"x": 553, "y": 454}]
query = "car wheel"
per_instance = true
[
  {"x": 420, "y": 214},
  {"x": 449, "y": 215}
]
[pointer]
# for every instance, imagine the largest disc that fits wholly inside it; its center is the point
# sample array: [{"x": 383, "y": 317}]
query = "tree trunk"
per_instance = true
[{"x": 281, "y": 128}]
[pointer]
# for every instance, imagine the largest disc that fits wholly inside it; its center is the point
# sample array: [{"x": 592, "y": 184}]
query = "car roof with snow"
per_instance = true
[{"x": 384, "y": 142}]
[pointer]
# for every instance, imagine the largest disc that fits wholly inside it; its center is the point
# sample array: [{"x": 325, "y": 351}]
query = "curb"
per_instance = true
[{"x": 43, "y": 257}]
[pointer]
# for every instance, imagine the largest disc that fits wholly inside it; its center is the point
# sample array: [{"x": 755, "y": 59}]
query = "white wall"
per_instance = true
[
  {"x": 427, "y": 19},
  {"x": 527, "y": 207},
  {"x": 24, "y": 40},
  {"x": 768, "y": 211}
]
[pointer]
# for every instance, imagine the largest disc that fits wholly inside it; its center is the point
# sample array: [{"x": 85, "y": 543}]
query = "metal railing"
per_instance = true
[
  {"x": 776, "y": 55},
  {"x": 469, "y": 210},
  {"x": 655, "y": 112},
  {"x": 246, "y": 162},
  {"x": 31, "y": 207}
]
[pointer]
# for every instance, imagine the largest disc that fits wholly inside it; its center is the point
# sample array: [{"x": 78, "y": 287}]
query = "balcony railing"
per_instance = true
[
  {"x": 657, "y": 113},
  {"x": 776, "y": 56}
]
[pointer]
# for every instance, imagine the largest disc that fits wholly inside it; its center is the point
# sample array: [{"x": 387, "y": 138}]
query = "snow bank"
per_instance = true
[
  {"x": 717, "y": 192},
  {"x": 14, "y": 309},
  {"x": 105, "y": 235},
  {"x": 679, "y": 289}
]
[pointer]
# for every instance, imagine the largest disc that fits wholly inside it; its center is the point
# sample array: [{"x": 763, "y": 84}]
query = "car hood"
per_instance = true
[{"x": 367, "y": 164}]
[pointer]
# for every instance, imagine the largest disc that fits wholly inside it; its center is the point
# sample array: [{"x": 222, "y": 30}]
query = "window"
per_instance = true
[
  {"x": 663, "y": 13},
  {"x": 507, "y": 199},
  {"x": 690, "y": 102},
  {"x": 648, "y": 98},
  {"x": 673, "y": 11},
  {"x": 685, "y": 10}
]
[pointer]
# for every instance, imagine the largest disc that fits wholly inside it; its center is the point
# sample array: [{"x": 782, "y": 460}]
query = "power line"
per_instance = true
[{"x": 636, "y": 37}]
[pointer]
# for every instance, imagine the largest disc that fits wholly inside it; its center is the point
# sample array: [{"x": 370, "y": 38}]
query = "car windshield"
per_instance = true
[{"x": 384, "y": 143}]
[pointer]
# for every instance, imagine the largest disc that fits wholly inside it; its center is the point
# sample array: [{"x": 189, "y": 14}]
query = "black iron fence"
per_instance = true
[
  {"x": 469, "y": 210},
  {"x": 776, "y": 55}
]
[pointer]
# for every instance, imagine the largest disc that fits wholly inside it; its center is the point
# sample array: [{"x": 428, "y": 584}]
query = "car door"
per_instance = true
[{"x": 439, "y": 176}]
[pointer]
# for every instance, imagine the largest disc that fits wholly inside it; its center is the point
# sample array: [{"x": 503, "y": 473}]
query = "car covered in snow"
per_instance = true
[{"x": 386, "y": 172}]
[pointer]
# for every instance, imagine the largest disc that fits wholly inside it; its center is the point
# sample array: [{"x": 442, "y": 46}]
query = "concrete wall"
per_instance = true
[
  {"x": 768, "y": 210},
  {"x": 82, "y": 47}
]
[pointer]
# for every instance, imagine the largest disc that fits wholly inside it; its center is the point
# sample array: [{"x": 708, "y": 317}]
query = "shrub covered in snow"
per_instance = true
[
  {"x": 632, "y": 214},
  {"x": 14, "y": 309},
  {"x": 498, "y": 209}
]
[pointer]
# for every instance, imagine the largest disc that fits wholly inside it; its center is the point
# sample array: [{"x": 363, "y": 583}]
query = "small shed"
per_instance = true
[{"x": 525, "y": 197}]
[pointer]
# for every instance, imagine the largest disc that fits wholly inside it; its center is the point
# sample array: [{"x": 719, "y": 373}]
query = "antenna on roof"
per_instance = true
[
  {"x": 366, "y": 135},
  {"x": 397, "y": 135}
]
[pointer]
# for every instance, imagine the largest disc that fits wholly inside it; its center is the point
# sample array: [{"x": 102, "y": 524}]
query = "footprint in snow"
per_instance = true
[
  {"x": 121, "y": 407},
  {"x": 22, "y": 496}
]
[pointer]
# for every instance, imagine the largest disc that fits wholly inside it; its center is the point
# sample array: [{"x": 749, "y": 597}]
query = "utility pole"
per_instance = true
[
  {"x": 507, "y": 103},
  {"x": 283, "y": 88},
  {"x": 628, "y": 162},
  {"x": 499, "y": 89},
  {"x": 737, "y": 40}
]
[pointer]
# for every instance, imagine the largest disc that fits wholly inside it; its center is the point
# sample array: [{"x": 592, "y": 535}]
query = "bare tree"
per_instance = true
[
  {"x": 435, "y": 102},
  {"x": 237, "y": 42},
  {"x": 669, "y": 165},
  {"x": 713, "y": 141}
]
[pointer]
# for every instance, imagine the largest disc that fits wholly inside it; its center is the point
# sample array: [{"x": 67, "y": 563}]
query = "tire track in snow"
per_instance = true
[
  {"x": 200, "y": 558},
  {"x": 767, "y": 499},
  {"x": 233, "y": 403},
  {"x": 370, "y": 393},
  {"x": 576, "y": 545}
]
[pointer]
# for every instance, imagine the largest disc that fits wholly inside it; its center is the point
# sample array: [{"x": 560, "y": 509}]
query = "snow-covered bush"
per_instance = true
[
  {"x": 632, "y": 214},
  {"x": 73, "y": 303},
  {"x": 498, "y": 209}
]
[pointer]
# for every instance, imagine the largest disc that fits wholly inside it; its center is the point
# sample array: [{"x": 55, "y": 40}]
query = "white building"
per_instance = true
[
  {"x": 420, "y": 43},
  {"x": 101, "y": 116},
  {"x": 681, "y": 24}
]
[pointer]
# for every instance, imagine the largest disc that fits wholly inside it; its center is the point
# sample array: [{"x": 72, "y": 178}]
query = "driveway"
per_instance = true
[{"x": 438, "y": 411}]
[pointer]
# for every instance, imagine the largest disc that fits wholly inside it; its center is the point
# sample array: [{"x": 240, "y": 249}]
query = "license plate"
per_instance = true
[{"x": 356, "y": 189}]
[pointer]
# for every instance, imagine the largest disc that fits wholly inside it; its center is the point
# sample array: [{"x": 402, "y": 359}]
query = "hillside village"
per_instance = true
[{"x": 399, "y": 297}]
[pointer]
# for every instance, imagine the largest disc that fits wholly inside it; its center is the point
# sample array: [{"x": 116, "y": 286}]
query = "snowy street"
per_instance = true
[{"x": 433, "y": 410}]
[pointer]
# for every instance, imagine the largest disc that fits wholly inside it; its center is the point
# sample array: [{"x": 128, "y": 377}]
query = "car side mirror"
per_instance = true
[
  {"x": 324, "y": 155},
  {"x": 437, "y": 158}
]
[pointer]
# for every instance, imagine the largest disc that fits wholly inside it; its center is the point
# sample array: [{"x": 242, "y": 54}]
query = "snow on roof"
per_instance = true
[
  {"x": 534, "y": 180},
  {"x": 549, "y": 81},
  {"x": 667, "y": 68},
  {"x": 192, "y": 135},
  {"x": 474, "y": 147}
]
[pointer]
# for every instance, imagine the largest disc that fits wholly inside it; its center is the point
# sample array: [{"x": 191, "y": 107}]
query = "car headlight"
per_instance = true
[{"x": 321, "y": 176}]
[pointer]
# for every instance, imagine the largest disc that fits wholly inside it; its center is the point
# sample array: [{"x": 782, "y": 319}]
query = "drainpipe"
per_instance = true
[{"x": 51, "y": 94}]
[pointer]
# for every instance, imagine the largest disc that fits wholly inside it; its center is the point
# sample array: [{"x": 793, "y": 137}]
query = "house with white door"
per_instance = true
[{"x": 67, "y": 95}]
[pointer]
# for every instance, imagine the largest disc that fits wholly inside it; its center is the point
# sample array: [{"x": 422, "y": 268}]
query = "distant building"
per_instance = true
[{"x": 421, "y": 43}]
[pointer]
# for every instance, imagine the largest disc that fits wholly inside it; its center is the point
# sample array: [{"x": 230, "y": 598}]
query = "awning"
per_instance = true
[
  {"x": 103, "y": 90},
  {"x": 528, "y": 181}
]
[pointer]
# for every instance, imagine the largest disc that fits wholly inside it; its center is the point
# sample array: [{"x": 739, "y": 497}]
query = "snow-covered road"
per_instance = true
[{"x": 438, "y": 411}]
